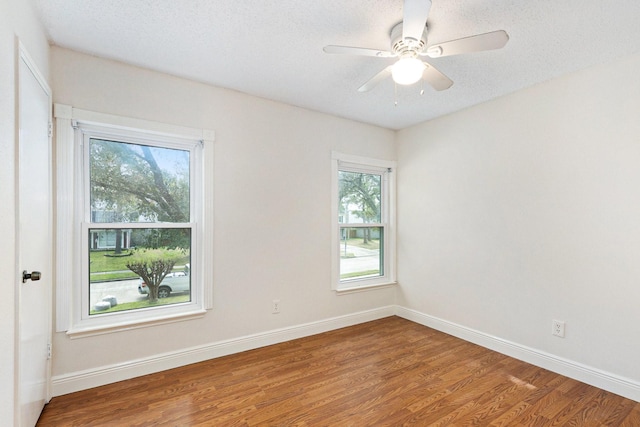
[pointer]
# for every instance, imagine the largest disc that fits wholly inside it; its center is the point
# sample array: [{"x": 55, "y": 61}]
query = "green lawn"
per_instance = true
[
  {"x": 101, "y": 261},
  {"x": 359, "y": 242},
  {"x": 105, "y": 267},
  {"x": 360, "y": 274},
  {"x": 144, "y": 304}
]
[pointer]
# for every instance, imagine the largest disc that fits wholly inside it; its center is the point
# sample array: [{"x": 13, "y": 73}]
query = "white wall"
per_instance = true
[
  {"x": 511, "y": 214},
  {"x": 527, "y": 209},
  {"x": 272, "y": 207},
  {"x": 16, "y": 20}
]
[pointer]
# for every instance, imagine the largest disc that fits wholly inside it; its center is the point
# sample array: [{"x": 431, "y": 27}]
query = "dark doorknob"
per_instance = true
[{"x": 34, "y": 275}]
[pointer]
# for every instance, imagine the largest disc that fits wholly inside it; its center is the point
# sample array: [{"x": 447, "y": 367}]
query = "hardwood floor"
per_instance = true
[{"x": 390, "y": 372}]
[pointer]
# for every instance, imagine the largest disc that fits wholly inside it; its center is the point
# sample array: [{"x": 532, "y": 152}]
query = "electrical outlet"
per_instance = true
[
  {"x": 276, "y": 306},
  {"x": 558, "y": 328}
]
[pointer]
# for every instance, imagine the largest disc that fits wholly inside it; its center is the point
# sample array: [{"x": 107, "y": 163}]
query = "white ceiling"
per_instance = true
[{"x": 273, "y": 49}]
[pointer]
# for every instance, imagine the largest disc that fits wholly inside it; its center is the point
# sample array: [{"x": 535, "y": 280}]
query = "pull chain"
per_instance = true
[{"x": 395, "y": 94}]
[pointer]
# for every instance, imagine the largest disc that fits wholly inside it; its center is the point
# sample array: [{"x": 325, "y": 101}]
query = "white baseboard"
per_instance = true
[
  {"x": 596, "y": 377},
  {"x": 82, "y": 380}
]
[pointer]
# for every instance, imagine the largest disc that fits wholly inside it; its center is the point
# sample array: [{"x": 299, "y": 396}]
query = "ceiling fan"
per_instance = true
[{"x": 409, "y": 45}]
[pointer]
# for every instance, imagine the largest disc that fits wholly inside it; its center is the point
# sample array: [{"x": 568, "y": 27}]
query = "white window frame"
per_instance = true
[
  {"x": 74, "y": 128},
  {"x": 386, "y": 169}
]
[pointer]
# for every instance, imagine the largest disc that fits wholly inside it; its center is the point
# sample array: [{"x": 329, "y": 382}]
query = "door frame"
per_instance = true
[{"x": 22, "y": 55}]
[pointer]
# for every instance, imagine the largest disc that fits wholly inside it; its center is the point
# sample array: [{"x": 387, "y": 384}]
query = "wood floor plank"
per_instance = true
[
  {"x": 508, "y": 417},
  {"x": 390, "y": 372},
  {"x": 633, "y": 417},
  {"x": 622, "y": 410}
]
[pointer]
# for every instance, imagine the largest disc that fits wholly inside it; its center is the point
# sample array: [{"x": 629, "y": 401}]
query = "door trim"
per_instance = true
[{"x": 22, "y": 55}]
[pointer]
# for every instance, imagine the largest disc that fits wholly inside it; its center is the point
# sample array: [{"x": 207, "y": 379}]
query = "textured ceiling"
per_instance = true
[{"x": 273, "y": 49}]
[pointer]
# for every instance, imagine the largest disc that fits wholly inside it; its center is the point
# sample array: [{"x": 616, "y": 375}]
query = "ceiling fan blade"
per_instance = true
[
  {"x": 414, "y": 19},
  {"x": 435, "y": 78},
  {"x": 478, "y": 43},
  {"x": 362, "y": 51},
  {"x": 373, "y": 81}
]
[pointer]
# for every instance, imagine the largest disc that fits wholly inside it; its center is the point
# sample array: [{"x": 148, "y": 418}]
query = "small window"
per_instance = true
[
  {"x": 364, "y": 244},
  {"x": 361, "y": 228}
]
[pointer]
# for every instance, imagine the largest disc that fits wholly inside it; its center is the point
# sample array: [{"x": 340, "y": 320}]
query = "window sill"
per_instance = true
[
  {"x": 89, "y": 331},
  {"x": 363, "y": 288}
]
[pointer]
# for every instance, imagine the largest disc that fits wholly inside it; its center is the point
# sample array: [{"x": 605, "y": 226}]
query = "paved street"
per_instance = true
[
  {"x": 123, "y": 290},
  {"x": 363, "y": 260}
]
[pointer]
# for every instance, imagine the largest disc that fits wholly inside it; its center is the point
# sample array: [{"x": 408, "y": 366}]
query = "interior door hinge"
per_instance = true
[
  {"x": 49, "y": 351},
  {"x": 50, "y": 129}
]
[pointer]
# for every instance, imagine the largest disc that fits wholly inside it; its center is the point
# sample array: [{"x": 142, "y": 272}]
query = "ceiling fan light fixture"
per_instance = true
[{"x": 407, "y": 71}]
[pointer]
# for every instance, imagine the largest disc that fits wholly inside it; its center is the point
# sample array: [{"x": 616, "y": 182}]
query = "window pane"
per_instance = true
[
  {"x": 359, "y": 197},
  {"x": 131, "y": 269},
  {"x": 361, "y": 253},
  {"x": 138, "y": 183}
]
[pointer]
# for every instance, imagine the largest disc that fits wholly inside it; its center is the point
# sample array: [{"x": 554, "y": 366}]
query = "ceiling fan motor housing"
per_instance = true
[{"x": 407, "y": 47}]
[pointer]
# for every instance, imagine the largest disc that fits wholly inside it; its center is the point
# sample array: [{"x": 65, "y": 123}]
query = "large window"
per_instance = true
[
  {"x": 364, "y": 249},
  {"x": 139, "y": 243},
  {"x": 139, "y": 225}
]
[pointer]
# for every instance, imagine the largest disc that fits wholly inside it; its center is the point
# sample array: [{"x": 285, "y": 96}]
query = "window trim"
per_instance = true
[
  {"x": 347, "y": 162},
  {"x": 70, "y": 211}
]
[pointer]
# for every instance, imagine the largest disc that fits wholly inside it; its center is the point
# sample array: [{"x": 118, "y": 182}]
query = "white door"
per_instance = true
[{"x": 33, "y": 238}]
